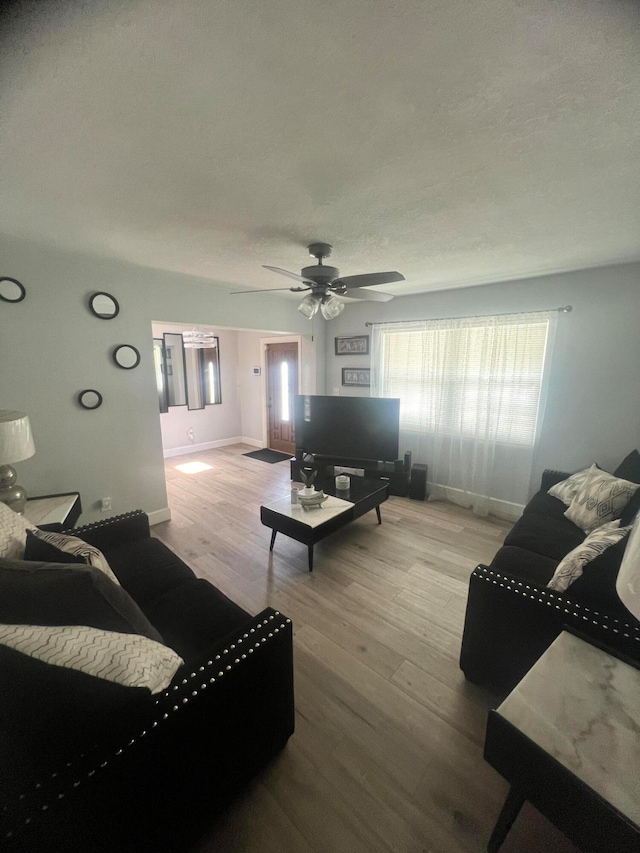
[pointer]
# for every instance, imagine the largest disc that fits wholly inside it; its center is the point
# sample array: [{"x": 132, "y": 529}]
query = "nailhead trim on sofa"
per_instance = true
[
  {"x": 105, "y": 522},
  {"x": 177, "y": 701},
  {"x": 552, "y": 599}
]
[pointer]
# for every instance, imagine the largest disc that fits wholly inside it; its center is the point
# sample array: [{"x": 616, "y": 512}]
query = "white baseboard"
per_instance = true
[
  {"x": 501, "y": 509},
  {"x": 159, "y": 515},
  {"x": 254, "y": 442},
  {"x": 209, "y": 445}
]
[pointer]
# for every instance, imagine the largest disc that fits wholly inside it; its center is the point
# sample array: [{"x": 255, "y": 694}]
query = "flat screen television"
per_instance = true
[{"x": 363, "y": 428}]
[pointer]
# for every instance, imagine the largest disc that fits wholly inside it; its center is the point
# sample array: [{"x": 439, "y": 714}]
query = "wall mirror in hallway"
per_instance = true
[
  {"x": 203, "y": 373},
  {"x": 159, "y": 367},
  {"x": 187, "y": 370},
  {"x": 210, "y": 371},
  {"x": 195, "y": 390},
  {"x": 175, "y": 373}
]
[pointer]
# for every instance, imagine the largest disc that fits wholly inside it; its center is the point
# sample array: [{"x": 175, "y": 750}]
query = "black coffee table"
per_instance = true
[{"x": 312, "y": 525}]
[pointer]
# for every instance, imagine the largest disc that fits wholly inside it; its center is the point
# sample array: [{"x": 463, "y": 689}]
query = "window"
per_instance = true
[
  {"x": 284, "y": 391},
  {"x": 478, "y": 378}
]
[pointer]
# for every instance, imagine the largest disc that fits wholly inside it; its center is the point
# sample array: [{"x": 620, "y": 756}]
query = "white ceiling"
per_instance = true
[{"x": 458, "y": 141}]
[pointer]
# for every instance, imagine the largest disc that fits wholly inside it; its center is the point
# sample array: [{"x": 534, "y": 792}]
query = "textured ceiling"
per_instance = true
[{"x": 458, "y": 141}]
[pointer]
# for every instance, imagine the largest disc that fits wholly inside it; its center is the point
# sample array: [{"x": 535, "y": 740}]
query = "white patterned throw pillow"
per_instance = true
[
  {"x": 628, "y": 580},
  {"x": 569, "y": 569},
  {"x": 79, "y": 548},
  {"x": 565, "y": 490},
  {"x": 600, "y": 499},
  {"x": 127, "y": 659},
  {"x": 13, "y": 533}
]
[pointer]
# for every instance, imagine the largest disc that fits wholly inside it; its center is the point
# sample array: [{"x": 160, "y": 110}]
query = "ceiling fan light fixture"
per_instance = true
[
  {"x": 331, "y": 307},
  {"x": 198, "y": 339},
  {"x": 309, "y": 306},
  {"x": 324, "y": 283}
]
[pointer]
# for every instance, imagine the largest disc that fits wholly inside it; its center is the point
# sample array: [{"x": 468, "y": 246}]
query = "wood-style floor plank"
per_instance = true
[{"x": 387, "y": 753}]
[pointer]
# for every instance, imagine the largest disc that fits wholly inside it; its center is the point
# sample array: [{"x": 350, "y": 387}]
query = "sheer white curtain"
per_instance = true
[{"x": 472, "y": 394}]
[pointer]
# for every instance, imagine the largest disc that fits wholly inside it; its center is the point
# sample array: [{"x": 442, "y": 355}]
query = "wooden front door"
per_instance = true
[{"x": 282, "y": 385}]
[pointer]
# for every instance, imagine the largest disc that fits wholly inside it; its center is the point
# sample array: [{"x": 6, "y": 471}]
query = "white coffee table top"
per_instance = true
[
  {"x": 311, "y": 517},
  {"x": 582, "y": 706}
]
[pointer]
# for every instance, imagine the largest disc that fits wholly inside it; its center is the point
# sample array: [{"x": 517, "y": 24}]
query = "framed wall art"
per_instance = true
[
  {"x": 353, "y": 345},
  {"x": 360, "y": 376}
]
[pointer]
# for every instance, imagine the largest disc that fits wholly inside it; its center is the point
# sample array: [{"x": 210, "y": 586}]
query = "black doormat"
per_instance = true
[{"x": 270, "y": 456}]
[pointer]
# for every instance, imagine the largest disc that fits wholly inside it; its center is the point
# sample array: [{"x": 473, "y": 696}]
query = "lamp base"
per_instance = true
[{"x": 10, "y": 492}]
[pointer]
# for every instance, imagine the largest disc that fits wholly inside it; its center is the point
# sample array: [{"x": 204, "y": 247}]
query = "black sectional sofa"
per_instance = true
[
  {"x": 90, "y": 765},
  {"x": 512, "y": 617}
]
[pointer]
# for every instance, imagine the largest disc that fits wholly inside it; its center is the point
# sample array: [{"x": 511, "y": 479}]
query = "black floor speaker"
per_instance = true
[{"x": 418, "y": 483}]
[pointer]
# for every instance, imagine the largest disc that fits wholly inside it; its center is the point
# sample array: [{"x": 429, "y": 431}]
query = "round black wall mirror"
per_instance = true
[
  {"x": 126, "y": 356},
  {"x": 11, "y": 290},
  {"x": 90, "y": 399},
  {"x": 104, "y": 305}
]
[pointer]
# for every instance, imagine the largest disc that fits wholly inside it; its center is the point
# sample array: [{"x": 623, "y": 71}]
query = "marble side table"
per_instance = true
[
  {"x": 54, "y": 512},
  {"x": 567, "y": 739}
]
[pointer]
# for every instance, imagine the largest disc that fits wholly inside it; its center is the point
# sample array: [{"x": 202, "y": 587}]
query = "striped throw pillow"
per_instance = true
[
  {"x": 79, "y": 548},
  {"x": 127, "y": 659}
]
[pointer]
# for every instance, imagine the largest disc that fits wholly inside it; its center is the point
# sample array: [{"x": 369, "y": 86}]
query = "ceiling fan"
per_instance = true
[{"x": 325, "y": 283}]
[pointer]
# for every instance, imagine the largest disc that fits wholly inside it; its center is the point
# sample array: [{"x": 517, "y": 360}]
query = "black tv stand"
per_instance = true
[{"x": 394, "y": 473}]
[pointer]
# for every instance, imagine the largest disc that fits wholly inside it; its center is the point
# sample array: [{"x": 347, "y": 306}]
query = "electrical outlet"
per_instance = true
[
  {"x": 105, "y": 504},
  {"x": 190, "y": 434},
  {"x": 336, "y": 392}
]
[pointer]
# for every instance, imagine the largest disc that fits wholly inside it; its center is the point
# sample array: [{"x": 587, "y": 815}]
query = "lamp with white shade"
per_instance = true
[{"x": 16, "y": 444}]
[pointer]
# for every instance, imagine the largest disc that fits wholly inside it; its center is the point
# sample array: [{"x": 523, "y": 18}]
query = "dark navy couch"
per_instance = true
[
  {"x": 511, "y": 616},
  {"x": 89, "y": 765}
]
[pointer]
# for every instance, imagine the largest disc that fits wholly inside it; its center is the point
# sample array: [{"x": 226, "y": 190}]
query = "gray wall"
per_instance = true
[
  {"x": 250, "y": 385},
  {"x": 593, "y": 407},
  {"x": 51, "y": 347}
]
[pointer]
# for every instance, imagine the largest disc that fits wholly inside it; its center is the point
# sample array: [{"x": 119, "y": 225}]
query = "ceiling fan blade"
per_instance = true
[
  {"x": 369, "y": 278},
  {"x": 286, "y": 272},
  {"x": 269, "y": 290},
  {"x": 367, "y": 295}
]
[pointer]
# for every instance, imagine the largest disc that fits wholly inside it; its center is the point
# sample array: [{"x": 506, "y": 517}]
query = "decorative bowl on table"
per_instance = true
[{"x": 312, "y": 501}]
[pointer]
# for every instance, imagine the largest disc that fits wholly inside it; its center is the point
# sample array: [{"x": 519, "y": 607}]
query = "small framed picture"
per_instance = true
[
  {"x": 354, "y": 345},
  {"x": 360, "y": 376}
]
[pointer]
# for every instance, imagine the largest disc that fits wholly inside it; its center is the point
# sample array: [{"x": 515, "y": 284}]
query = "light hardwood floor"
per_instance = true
[{"x": 387, "y": 753}]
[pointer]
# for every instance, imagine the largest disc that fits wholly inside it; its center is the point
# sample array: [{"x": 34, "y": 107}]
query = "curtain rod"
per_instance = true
[{"x": 565, "y": 309}]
